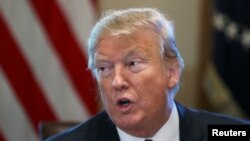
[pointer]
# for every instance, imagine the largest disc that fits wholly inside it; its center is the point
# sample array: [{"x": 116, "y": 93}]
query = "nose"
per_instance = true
[{"x": 120, "y": 82}]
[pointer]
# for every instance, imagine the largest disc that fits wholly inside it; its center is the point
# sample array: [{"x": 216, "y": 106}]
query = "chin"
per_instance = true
[{"x": 127, "y": 122}]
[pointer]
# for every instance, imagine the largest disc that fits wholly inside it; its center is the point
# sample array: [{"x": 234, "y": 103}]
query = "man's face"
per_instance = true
[{"x": 133, "y": 80}]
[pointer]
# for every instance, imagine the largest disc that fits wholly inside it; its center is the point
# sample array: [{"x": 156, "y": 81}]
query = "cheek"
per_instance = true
[
  {"x": 104, "y": 85},
  {"x": 154, "y": 94},
  {"x": 155, "y": 97},
  {"x": 152, "y": 81},
  {"x": 104, "y": 92},
  {"x": 107, "y": 101},
  {"x": 151, "y": 87}
]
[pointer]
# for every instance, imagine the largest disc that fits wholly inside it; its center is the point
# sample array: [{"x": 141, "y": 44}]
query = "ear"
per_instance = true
[{"x": 173, "y": 73}]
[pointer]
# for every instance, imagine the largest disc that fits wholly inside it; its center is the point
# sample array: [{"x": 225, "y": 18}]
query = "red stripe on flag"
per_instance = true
[
  {"x": 2, "y": 137},
  {"x": 22, "y": 80},
  {"x": 95, "y": 5},
  {"x": 68, "y": 49}
]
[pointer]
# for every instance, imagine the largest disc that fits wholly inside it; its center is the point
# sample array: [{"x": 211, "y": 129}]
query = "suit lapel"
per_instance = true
[
  {"x": 108, "y": 131},
  {"x": 190, "y": 129}
]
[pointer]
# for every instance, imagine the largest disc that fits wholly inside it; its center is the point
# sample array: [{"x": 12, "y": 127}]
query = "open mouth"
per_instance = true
[{"x": 124, "y": 102}]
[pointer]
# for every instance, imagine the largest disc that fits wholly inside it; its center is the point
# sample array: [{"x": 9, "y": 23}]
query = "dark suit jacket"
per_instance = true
[{"x": 193, "y": 126}]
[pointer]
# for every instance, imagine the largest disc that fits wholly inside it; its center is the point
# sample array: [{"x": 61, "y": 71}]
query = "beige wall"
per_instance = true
[{"x": 186, "y": 17}]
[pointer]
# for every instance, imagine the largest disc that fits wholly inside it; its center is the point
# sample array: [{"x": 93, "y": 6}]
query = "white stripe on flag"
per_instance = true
[
  {"x": 81, "y": 16},
  {"x": 13, "y": 122},
  {"x": 43, "y": 60}
]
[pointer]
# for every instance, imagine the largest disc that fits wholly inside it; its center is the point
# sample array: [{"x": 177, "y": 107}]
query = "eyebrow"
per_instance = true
[
  {"x": 136, "y": 50},
  {"x": 101, "y": 60}
]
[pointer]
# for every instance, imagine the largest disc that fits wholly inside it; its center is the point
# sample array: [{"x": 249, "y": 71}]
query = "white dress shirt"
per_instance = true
[{"x": 168, "y": 132}]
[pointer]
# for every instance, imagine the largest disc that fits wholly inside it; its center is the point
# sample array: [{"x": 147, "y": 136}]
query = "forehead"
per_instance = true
[{"x": 140, "y": 41}]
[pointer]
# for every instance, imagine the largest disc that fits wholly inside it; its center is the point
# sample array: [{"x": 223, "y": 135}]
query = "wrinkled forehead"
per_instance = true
[
  {"x": 144, "y": 41},
  {"x": 141, "y": 35}
]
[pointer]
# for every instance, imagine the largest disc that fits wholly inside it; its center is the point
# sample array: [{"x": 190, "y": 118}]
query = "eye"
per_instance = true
[
  {"x": 101, "y": 69},
  {"x": 135, "y": 65},
  {"x": 104, "y": 69}
]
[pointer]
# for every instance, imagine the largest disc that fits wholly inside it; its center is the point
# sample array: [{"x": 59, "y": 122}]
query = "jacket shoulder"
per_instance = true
[
  {"x": 207, "y": 117},
  {"x": 86, "y": 130},
  {"x": 194, "y": 123}
]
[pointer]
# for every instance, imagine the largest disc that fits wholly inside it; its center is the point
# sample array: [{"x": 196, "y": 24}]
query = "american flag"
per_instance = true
[
  {"x": 43, "y": 65},
  {"x": 227, "y": 80}
]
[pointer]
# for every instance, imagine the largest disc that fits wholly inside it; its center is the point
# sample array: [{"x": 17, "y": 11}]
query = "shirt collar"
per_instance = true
[{"x": 169, "y": 131}]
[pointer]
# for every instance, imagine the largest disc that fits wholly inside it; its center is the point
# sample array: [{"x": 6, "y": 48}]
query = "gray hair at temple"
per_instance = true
[{"x": 128, "y": 21}]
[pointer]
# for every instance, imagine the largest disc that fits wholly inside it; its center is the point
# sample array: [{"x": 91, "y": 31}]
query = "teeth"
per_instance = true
[{"x": 124, "y": 102}]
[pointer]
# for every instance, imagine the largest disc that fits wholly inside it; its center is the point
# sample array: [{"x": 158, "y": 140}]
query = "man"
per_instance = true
[{"x": 134, "y": 58}]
